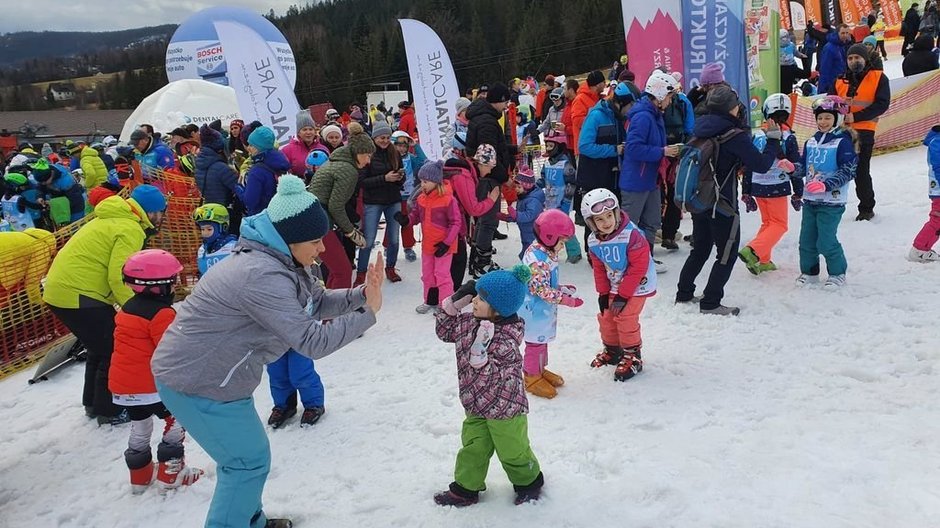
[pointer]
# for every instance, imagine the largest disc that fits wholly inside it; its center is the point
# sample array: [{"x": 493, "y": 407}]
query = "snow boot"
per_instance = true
[
  {"x": 311, "y": 416},
  {"x": 609, "y": 356},
  {"x": 630, "y": 364},
  {"x": 669, "y": 244},
  {"x": 360, "y": 279},
  {"x": 173, "y": 471},
  {"x": 499, "y": 236},
  {"x": 424, "y": 308},
  {"x": 278, "y": 523},
  {"x": 140, "y": 465},
  {"x": 392, "y": 275},
  {"x": 90, "y": 412},
  {"x": 916, "y": 255},
  {"x": 531, "y": 492},
  {"x": 482, "y": 263},
  {"x": 410, "y": 255},
  {"x": 768, "y": 266},
  {"x": 750, "y": 260},
  {"x": 456, "y": 496},
  {"x": 554, "y": 379},
  {"x": 280, "y": 415},
  {"x": 120, "y": 419},
  {"x": 539, "y": 386},
  {"x": 721, "y": 310}
]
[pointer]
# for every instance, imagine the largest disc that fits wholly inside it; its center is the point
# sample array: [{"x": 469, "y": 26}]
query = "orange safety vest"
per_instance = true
[{"x": 864, "y": 98}]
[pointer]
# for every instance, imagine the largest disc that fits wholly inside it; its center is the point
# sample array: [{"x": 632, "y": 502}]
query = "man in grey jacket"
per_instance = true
[{"x": 257, "y": 303}]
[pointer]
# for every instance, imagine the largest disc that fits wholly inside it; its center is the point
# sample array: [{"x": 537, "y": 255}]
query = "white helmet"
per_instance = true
[
  {"x": 776, "y": 103},
  {"x": 660, "y": 84},
  {"x": 597, "y": 202}
]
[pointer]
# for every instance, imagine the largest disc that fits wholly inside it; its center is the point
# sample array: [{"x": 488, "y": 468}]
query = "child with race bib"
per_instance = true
[{"x": 212, "y": 220}]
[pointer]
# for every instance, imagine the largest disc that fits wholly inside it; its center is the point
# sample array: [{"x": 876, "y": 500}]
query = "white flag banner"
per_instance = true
[
  {"x": 261, "y": 86},
  {"x": 433, "y": 85}
]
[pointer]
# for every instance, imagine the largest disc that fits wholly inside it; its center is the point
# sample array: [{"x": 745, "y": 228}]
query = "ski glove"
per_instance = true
[
  {"x": 571, "y": 301},
  {"x": 796, "y": 202},
  {"x": 786, "y": 166},
  {"x": 603, "y": 302},
  {"x": 750, "y": 204},
  {"x": 356, "y": 237},
  {"x": 461, "y": 298},
  {"x": 478, "y": 356},
  {"x": 441, "y": 249},
  {"x": 402, "y": 219},
  {"x": 815, "y": 187},
  {"x": 618, "y": 305},
  {"x": 508, "y": 216},
  {"x": 773, "y": 131}
]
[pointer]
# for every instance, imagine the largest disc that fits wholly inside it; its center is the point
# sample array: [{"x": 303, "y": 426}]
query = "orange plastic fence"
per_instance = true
[{"x": 27, "y": 326}]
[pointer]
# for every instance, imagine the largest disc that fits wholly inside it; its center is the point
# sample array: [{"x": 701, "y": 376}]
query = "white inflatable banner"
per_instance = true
[
  {"x": 261, "y": 86},
  {"x": 184, "y": 102},
  {"x": 433, "y": 84}
]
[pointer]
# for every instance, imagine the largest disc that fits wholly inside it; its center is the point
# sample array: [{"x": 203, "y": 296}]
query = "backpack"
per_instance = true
[{"x": 697, "y": 187}]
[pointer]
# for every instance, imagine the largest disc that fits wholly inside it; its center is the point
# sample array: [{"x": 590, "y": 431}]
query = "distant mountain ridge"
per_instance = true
[{"x": 20, "y": 47}]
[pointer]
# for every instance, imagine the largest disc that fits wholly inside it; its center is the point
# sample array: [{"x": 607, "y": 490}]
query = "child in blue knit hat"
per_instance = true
[{"x": 489, "y": 372}]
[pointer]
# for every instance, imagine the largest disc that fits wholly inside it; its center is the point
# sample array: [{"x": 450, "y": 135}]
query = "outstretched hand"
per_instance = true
[{"x": 373, "y": 284}]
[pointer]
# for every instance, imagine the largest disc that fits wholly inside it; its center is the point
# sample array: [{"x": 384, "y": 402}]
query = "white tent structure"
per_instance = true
[{"x": 181, "y": 103}]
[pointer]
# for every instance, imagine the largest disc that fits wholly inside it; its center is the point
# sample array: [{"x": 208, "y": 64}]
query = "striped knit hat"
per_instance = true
[{"x": 295, "y": 213}]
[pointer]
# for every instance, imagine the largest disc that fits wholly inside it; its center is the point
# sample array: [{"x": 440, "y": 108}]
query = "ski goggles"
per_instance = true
[
  {"x": 831, "y": 103},
  {"x": 554, "y": 97},
  {"x": 603, "y": 206}
]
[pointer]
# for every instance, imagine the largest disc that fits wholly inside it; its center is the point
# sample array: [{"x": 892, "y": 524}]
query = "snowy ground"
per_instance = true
[{"x": 811, "y": 409}]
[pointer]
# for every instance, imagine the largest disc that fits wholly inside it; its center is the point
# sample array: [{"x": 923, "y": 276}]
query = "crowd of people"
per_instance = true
[{"x": 294, "y": 228}]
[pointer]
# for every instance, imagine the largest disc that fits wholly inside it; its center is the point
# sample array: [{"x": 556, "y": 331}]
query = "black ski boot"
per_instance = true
[
  {"x": 531, "y": 492},
  {"x": 120, "y": 419},
  {"x": 311, "y": 416},
  {"x": 630, "y": 364},
  {"x": 609, "y": 356},
  {"x": 456, "y": 496}
]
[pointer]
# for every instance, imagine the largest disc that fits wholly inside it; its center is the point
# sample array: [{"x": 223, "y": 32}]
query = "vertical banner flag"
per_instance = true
[
  {"x": 798, "y": 16},
  {"x": 433, "y": 85},
  {"x": 654, "y": 36},
  {"x": 762, "y": 24},
  {"x": 892, "y": 13},
  {"x": 850, "y": 15},
  {"x": 261, "y": 86},
  {"x": 786, "y": 22},
  {"x": 713, "y": 31},
  {"x": 813, "y": 10},
  {"x": 830, "y": 11}
]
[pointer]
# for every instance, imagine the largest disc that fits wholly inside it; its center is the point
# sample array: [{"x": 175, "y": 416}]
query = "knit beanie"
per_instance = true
[
  {"x": 858, "y": 49},
  {"x": 262, "y": 138},
  {"x": 712, "y": 74},
  {"x": 505, "y": 290},
  {"x": 305, "y": 120},
  {"x": 721, "y": 100},
  {"x": 432, "y": 172},
  {"x": 236, "y": 122},
  {"x": 359, "y": 142},
  {"x": 498, "y": 93},
  {"x": 594, "y": 78},
  {"x": 462, "y": 104},
  {"x": 295, "y": 213},
  {"x": 211, "y": 139},
  {"x": 381, "y": 129},
  {"x": 149, "y": 198},
  {"x": 329, "y": 129},
  {"x": 526, "y": 178},
  {"x": 248, "y": 129},
  {"x": 870, "y": 40}
]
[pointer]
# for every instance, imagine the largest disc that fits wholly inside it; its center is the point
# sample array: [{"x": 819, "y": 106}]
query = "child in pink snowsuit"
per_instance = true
[
  {"x": 930, "y": 233},
  {"x": 437, "y": 211}
]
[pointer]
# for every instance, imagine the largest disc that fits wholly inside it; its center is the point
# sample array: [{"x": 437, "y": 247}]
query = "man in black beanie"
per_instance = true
[{"x": 484, "y": 128}]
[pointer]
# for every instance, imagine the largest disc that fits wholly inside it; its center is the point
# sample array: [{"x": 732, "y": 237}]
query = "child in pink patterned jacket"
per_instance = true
[{"x": 489, "y": 372}]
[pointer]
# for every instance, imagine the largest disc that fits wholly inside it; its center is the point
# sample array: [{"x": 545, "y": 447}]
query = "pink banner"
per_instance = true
[{"x": 654, "y": 36}]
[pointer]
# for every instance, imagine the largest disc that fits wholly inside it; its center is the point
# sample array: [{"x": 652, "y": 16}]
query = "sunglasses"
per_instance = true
[{"x": 603, "y": 206}]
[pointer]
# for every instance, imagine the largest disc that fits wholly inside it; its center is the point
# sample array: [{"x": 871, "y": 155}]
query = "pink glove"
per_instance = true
[
  {"x": 571, "y": 301},
  {"x": 786, "y": 165},
  {"x": 815, "y": 187},
  {"x": 511, "y": 213}
]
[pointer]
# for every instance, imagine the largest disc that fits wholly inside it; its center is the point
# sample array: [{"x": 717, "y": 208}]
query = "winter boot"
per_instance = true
[
  {"x": 630, "y": 364},
  {"x": 531, "y": 492},
  {"x": 360, "y": 279},
  {"x": 280, "y": 415},
  {"x": 574, "y": 259},
  {"x": 173, "y": 471},
  {"x": 90, "y": 412},
  {"x": 424, "y": 308},
  {"x": 140, "y": 464},
  {"x": 482, "y": 264},
  {"x": 278, "y": 523},
  {"x": 499, "y": 236},
  {"x": 392, "y": 275},
  {"x": 721, "y": 310},
  {"x": 669, "y": 244},
  {"x": 539, "y": 386},
  {"x": 768, "y": 266},
  {"x": 750, "y": 260},
  {"x": 554, "y": 379},
  {"x": 410, "y": 255},
  {"x": 120, "y": 419},
  {"x": 311, "y": 416},
  {"x": 457, "y": 496},
  {"x": 609, "y": 356},
  {"x": 916, "y": 255}
]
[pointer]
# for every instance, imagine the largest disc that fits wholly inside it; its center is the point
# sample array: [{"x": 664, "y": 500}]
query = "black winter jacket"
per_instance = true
[
  {"x": 375, "y": 190},
  {"x": 921, "y": 58},
  {"x": 483, "y": 127}
]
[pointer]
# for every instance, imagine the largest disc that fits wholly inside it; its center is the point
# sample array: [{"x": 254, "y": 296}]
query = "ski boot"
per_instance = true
[
  {"x": 539, "y": 386},
  {"x": 630, "y": 364},
  {"x": 119, "y": 419},
  {"x": 531, "y": 492},
  {"x": 750, "y": 259},
  {"x": 456, "y": 496},
  {"x": 279, "y": 416},
  {"x": 554, "y": 379},
  {"x": 173, "y": 471},
  {"x": 609, "y": 356},
  {"x": 311, "y": 416},
  {"x": 140, "y": 464}
]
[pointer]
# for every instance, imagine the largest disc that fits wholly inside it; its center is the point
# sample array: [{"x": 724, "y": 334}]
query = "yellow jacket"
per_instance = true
[
  {"x": 25, "y": 259},
  {"x": 88, "y": 271},
  {"x": 93, "y": 168}
]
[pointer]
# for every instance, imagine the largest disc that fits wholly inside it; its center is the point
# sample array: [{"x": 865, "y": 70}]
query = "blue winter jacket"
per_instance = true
[
  {"x": 159, "y": 156},
  {"x": 932, "y": 142},
  {"x": 831, "y": 62},
  {"x": 597, "y": 146},
  {"x": 643, "y": 152},
  {"x": 261, "y": 180},
  {"x": 529, "y": 206},
  {"x": 215, "y": 179},
  {"x": 846, "y": 160},
  {"x": 63, "y": 184}
]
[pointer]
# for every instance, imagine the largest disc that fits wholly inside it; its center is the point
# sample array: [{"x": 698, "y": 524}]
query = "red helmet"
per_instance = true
[
  {"x": 152, "y": 271},
  {"x": 553, "y": 225}
]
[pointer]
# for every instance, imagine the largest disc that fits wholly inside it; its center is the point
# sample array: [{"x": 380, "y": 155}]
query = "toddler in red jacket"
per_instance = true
[{"x": 139, "y": 326}]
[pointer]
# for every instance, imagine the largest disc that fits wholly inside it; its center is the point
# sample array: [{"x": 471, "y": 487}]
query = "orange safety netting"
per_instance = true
[{"x": 27, "y": 327}]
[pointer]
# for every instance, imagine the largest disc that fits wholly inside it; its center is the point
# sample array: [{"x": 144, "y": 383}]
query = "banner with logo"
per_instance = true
[
  {"x": 654, "y": 36},
  {"x": 891, "y": 12},
  {"x": 713, "y": 31},
  {"x": 762, "y": 24},
  {"x": 786, "y": 21},
  {"x": 433, "y": 85},
  {"x": 812, "y": 10},
  {"x": 262, "y": 88}
]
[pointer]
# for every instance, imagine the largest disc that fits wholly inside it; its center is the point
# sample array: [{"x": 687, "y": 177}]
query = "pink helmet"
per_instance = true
[
  {"x": 153, "y": 271},
  {"x": 557, "y": 137},
  {"x": 553, "y": 225}
]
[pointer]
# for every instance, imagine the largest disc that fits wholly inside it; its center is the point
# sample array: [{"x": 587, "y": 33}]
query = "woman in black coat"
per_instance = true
[{"x": 921, "y": 58}]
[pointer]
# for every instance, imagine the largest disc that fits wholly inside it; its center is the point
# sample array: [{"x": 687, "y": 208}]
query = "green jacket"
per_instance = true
[
  {"x": 93, "y": 167},
  {"x": 88, "y": 270},
  {"x": 334, "y": 184}
]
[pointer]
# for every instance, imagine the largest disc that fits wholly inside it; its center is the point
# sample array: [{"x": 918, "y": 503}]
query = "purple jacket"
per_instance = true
[
  {"x": 297, "y": 152},
  {"x": 494, "y": 391}
]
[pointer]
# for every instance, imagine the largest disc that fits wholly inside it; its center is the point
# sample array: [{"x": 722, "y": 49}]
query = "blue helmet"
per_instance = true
[
  {"x": 626, "y": 92},
  {"x": 317, "y": 158}
]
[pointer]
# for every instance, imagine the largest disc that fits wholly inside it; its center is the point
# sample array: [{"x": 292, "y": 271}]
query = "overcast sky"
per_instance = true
[{"x": 103, "y": 15}]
